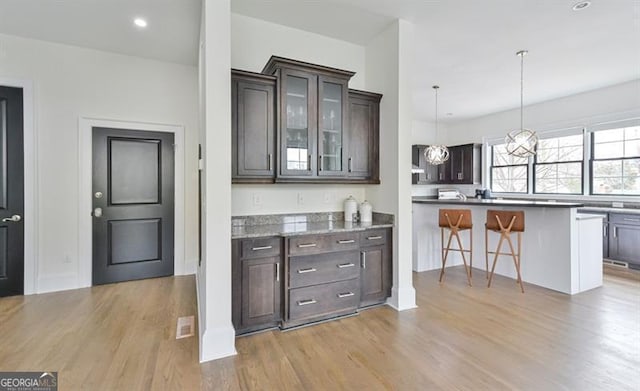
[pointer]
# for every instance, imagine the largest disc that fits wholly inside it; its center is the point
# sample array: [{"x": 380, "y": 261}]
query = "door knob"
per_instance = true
[
  {"x": 13, "y": 219},
  {"x": 97, "y": 212}
]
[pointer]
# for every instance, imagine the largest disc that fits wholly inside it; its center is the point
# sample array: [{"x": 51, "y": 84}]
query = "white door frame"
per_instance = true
[
  {"x": 85, "y": 204},
  {"x": 30, "y": 217}
]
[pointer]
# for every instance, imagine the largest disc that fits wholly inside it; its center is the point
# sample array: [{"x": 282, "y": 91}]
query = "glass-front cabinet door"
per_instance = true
[
  {"x": 299, "y": 124},
  {"x": 332, "y": 112}
]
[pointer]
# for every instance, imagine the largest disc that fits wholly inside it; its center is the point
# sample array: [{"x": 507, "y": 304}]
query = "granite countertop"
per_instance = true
[
  {"x": 589, "y": 209},
  {"x": 497, "y": 202},
  {"x": 302, "y": 224}
]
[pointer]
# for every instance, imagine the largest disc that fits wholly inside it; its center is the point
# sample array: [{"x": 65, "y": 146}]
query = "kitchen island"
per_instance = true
[{"x": 561, "y": 248}]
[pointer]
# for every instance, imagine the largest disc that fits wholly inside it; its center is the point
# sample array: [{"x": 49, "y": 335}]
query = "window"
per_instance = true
[
  {"x": 509, "y": 174},
  {"x": 558, "y": 165},
  {"x": 615, "y": 161}
]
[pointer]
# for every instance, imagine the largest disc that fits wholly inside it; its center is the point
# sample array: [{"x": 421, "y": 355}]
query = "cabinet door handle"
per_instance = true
[
  {"x": 459, "y": 175},
  {"x": 349, "y": 164},
  {"x": 278, "y": 271},
  {"x": 309, "y": 163},
  {"x": 344, "y": 265},
  {"x": 374, "y": 237},
  {"x": 629, "y": 219},
  {"x": 306, "y": 302},
  {"x": 307, "y": 245},
  {"x": 364, "y": 260},
  {"x": 346, "y": 241},
  {"x": 346, "y": 294},
  {"x": 606, "y": 231},
  {"x": 270, "y": 161},
  {"x": 615, "y": 231},
  {"x": 261, "y": 248},
  {"x": 320, "y": 163},
  {"x": 440, "y": 176},
  {"x": 309, "y": 270}
]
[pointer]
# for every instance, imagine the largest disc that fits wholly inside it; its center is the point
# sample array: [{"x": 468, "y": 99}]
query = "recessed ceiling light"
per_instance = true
[
  {"x": 581, "y": 5},
  {"x": 140, "y": 22},
  {"x": 449, "y": 114}
]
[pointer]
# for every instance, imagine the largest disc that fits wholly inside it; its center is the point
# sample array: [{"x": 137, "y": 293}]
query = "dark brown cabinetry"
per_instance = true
[
  {"x": 253, "y": 124},
  {"x": 299, "y": 122},
  {"x": 464, "y": 166},
  {"x": 624, "y": 238},
  {"x": 363, "y": 154},
  {"x": 313, "y": 118},
  {"x": 256, "y": 284},
  {"x": 375, "y": 267},
  {"x": 308, "y": 278}
]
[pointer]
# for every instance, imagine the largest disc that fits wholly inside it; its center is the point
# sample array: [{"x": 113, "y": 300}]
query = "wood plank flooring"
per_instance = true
[{"x": 122, "y": 336}]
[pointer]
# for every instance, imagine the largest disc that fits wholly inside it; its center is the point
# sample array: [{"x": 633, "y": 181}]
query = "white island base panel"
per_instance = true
[{"x": 561, "y": 249}]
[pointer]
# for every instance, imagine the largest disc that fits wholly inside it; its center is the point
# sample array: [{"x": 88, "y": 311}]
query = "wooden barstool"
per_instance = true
[
  {"x": 505, "y": 222},
  {"x": 456, "y": 220}
]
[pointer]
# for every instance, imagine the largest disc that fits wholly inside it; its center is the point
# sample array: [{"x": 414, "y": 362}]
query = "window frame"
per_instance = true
[
  {"x": 593, "y": 159},
  {"x": 491, "y": 167},
  {"x": 536, "y": 163}
]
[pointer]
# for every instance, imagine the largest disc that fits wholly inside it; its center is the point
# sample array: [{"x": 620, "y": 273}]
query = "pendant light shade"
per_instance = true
[
  {"x": 436, "y": 154},
  {"x": 521, "y": 142}
]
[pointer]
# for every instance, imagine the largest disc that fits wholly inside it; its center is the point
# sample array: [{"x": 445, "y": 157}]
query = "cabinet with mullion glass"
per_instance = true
[{"x": 332, "y": 108}]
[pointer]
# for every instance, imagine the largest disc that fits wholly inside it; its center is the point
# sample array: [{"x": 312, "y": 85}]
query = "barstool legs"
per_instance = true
[
  {"x": 445, "y": 252},
  {"x": 505, "y": 233}
]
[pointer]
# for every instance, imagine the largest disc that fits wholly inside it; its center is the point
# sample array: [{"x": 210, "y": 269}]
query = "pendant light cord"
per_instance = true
[
  {"x": 522, "y": 91},
  {"x": 436, "y": 89}
]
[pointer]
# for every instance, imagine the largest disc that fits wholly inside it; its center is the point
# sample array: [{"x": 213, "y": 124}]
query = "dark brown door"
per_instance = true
[
  {"x": 11, "y": 192},
  {"x": 375, "y": 277},
  {"x": 260, "y": 291},
  {"x": 133, "y": 197},
  {"x": 254, "y": 128}
]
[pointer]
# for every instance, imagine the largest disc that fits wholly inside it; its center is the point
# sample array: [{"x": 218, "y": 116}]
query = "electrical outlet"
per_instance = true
[
  {"x": 617, "y": 204},
  {"x": 257, "y": 199},
  {"x": 327, "y": 198},
  {"x": 300, "y": 199},
  {"x": 67, "y": 259}
]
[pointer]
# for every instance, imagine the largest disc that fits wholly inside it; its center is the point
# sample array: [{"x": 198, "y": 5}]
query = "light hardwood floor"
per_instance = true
[{"x": 470, "y": 338}]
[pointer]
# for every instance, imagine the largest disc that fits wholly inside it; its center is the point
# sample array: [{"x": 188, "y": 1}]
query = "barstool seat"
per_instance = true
[
  {"x": 505, "y": 222},
  {"x": 456, "y": 220}
]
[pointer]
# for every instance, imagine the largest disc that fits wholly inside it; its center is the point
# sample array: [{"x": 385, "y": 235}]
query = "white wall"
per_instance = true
[
  {"x": 389, "y": 64},
  {"x": 70, "y": 82},
  {"x": 217, "y": 335},
  {"x": 253, "y": 42},
  {"x": 605, "y": 104}
]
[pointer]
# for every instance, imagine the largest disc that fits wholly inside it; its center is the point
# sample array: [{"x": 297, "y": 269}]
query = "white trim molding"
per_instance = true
[
  {"x": 30, "y": 217},
  {"x": 85, "y": 140}
]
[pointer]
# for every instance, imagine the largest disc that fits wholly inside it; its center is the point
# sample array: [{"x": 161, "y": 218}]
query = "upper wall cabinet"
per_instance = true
[
  {"x": 324, "y": 132},
  {"x": 464, "y": 166},
  {"x": 253, "y": 124},
  {"x": 363, "y": 155}
]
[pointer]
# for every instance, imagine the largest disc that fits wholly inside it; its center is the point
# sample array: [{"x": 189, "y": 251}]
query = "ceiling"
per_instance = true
[
  {"x": 171, "y": 35},
  {"x": 468, "y": 47},
  {"x": 465, "y": 46}
]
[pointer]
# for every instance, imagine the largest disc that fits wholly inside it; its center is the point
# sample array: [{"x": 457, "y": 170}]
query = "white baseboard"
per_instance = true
[
  {"x": 217, "y": 343},
  {"x": 402, "y": 299},
  {"x": 57, "y": 282}
]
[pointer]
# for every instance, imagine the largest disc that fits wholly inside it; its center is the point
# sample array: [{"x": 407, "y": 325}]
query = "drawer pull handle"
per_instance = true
[
  {"x": 628, "y": 219},
  {"x": 307, "y": 245},
  {"x": 347, "y": 294},
  {"x": 374, "y": 237},
  {"x": 343, "y": 265},
  {"x": 306, "y": 302},
  {"x": 278, "y": 271},
  {"x": 309, "y": 270},
  {"x": 346, "y": 241},
  {"x": 262, "y": 248}
]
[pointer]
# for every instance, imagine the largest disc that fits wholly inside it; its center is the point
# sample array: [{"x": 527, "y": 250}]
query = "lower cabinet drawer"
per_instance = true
[
  {"x": 320, "y": 269},
  {"x": 322, "y": 300},
  {"x": 260, "y": 247}
]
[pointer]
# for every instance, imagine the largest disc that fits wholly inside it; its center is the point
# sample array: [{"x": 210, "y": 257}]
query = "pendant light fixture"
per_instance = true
[
  {"x": 521, "y": 142},
  {"x": 436, "y": 154}
]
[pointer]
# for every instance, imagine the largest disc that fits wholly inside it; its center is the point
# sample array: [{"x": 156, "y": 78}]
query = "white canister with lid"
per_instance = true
[
  {"x": 350, "y": 208},
  {"x": 366, "y": 212}
]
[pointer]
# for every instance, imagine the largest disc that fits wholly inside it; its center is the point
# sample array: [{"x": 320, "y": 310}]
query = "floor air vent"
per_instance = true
[
  {"x": 185, "y": 327},
  {"x": 616, "y": 263}
]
